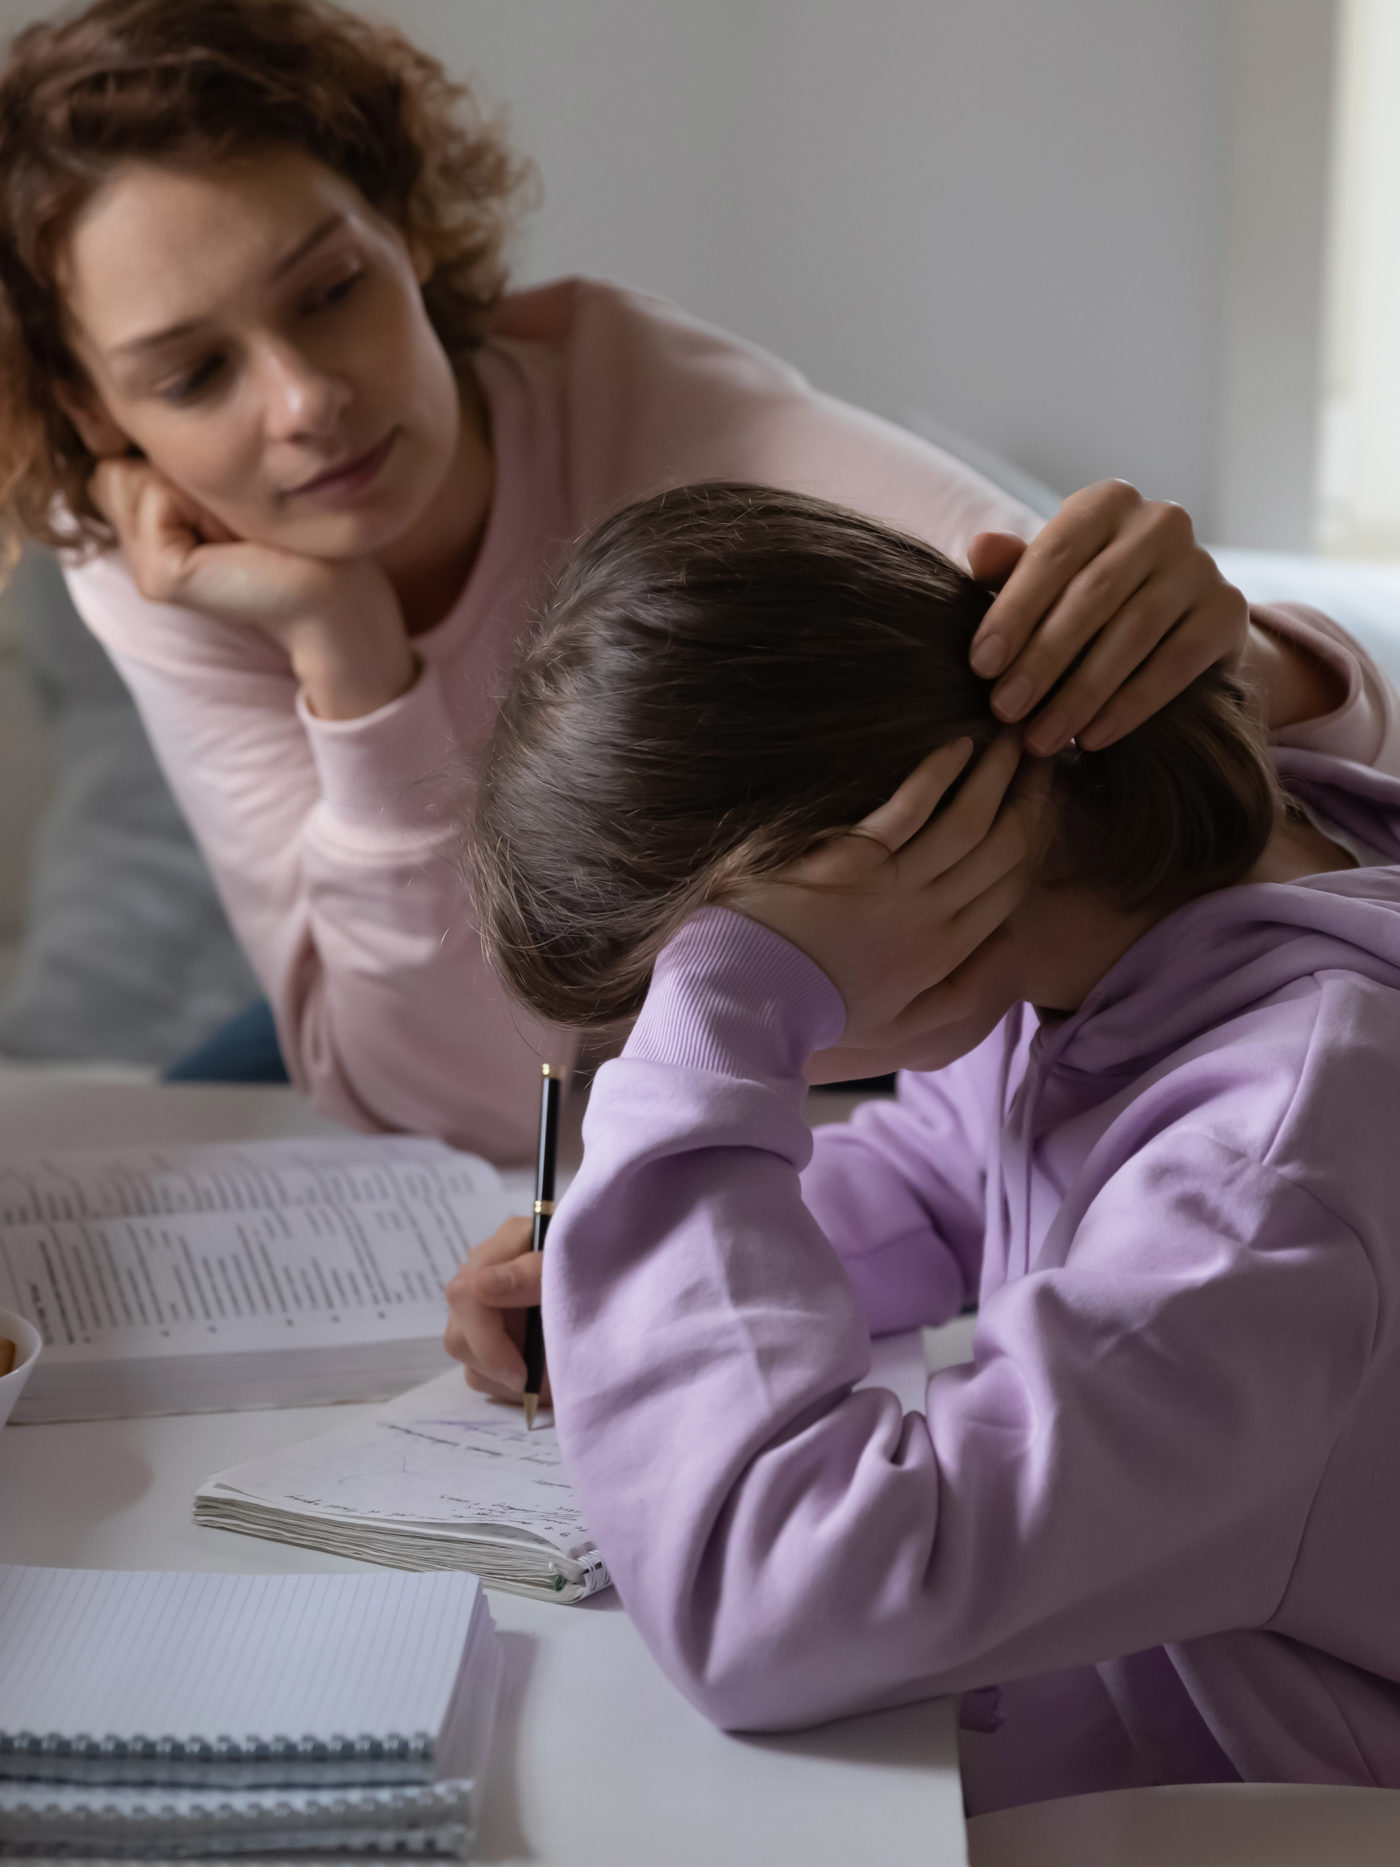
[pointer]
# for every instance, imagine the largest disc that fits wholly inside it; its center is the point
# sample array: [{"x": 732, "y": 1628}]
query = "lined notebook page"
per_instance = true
[{"x": 97, "y": 1653}]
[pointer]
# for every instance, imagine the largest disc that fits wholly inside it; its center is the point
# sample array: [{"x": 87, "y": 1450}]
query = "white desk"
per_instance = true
[{"x": 600, "y": 1763}]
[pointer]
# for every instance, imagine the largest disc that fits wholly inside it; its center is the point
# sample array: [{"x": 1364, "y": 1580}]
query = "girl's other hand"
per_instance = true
[
  {"x": 486, "y": 1301},
  {"x": 905, "y": 913},
  {"x": 340, "y": 622},
  {"x": 1107, "y": 614}
]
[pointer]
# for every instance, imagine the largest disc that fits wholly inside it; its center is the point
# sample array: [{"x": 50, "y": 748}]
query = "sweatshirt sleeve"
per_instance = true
[
  {"x": 793, "y": 1548},
  {"x": 335, "y": 849},
  {"x": 1365, "y": 726},
  {"x": 658, "y": 398},
  {"x": 899, "y": 1191}
]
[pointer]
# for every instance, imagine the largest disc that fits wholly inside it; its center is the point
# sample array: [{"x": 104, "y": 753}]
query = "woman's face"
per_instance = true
[{"x": 258, "y": 332}]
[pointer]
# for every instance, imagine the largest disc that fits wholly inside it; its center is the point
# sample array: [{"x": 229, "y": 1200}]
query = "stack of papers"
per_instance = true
[{"x": 441, "y": 1478}]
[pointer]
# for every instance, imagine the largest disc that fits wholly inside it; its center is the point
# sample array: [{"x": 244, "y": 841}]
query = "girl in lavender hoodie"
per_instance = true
[{"x": 1151, "y": 1000}]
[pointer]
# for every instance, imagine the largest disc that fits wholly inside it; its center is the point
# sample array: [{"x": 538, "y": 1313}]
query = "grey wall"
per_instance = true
[{"x": 1022, "y": 216}]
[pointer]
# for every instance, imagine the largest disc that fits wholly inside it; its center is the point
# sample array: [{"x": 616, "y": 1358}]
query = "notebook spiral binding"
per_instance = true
[
  {"x": 436, "y": 1818},
  {"x": 52, "y": 1756},
  {"x": 454, "y": 1842}
]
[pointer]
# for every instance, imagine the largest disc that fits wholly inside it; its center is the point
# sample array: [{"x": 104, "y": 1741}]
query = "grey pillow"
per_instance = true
[{"x": 126, "y": 953}]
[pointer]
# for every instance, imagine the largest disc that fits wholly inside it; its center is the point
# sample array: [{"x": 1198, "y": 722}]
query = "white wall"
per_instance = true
[
  {"x": 1005, "y": 212},
  {"x": 1014, "y": 214},
  {"x": 1360, "y": 469},
  {"x": 1280, "y": 59}
]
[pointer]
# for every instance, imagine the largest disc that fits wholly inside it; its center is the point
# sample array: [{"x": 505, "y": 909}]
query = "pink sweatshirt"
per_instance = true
[
  {"x": 334, "y": 844},
  {"x": 1153, "y": 1531}
]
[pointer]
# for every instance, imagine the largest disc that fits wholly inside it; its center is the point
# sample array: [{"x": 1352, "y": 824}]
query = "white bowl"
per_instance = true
[{"x": 28, "y": 1341}]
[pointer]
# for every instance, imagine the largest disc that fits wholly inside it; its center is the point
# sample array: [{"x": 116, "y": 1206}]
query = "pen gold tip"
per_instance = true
[{"x": 532, "y": 1407}]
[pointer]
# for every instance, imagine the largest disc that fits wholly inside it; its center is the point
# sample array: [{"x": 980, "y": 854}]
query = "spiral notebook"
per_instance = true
[{"x": 176, "y": 1714}]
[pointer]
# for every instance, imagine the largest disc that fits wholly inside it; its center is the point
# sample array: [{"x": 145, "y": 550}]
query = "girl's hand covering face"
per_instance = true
[
  {"x": 338, "y": 620},
  {"x": 1107, "y": 614},
  {"x": 906, "y": 912}
]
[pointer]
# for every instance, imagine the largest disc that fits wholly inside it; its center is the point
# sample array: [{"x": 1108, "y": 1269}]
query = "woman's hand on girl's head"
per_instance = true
[
  {"x": 906, "y": 912},
  {"x": 1107, "y": 614},
  {"x": 486, "y": 1301},
  {"x": 339, "y": 622}
]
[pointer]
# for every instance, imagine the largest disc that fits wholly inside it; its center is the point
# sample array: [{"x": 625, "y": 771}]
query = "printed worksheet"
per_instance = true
[{"x": 157, "y": 1251}]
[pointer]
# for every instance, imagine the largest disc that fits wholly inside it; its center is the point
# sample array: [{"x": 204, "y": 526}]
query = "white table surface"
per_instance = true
[{"x": 600, "y": 1762}]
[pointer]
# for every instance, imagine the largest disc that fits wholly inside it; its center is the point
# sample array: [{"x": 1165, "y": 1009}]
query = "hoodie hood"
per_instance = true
[{"x": 1216, "y": 957}]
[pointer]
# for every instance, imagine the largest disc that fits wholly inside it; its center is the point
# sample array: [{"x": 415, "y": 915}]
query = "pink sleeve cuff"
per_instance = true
[
  {"x": 390, "y": 769},
  {"x": 1366, "y": 726}
]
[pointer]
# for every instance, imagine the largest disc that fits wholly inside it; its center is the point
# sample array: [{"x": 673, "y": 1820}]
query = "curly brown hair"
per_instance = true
[{"x": 199, "y": 81}]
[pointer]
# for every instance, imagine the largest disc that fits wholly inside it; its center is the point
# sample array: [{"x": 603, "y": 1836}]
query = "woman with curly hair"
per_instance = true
[{"x": 260, "y": 384}]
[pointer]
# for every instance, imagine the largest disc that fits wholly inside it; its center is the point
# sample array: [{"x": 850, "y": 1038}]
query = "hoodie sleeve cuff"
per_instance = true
[
  {"x": 385, "y": 771},
  {"x": 732, "y": 997}
]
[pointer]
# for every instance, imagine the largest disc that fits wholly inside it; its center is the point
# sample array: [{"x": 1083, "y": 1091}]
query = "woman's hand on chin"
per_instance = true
[
  {"x": 339, "y": 622},
  {"x": 906, "y": 912}
]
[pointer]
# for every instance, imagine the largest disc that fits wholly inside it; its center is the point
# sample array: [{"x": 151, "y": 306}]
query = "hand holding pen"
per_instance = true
[{"x": 489, "y": 1297}]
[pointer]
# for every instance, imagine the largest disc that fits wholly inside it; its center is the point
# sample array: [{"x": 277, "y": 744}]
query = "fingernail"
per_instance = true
[
  {"x": 989, "y": 656},
  {"x": 494, "y": 1283},
  {"x": 1047, "y": 735},
  {"x": 1092, "y": 738},
  {"x": 1012, "y": 700},
  {"x": 513, "y": 1378}
]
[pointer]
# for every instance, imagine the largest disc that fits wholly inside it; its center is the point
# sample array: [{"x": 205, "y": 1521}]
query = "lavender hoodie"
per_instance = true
[{"x": 1153, "y": 1531}]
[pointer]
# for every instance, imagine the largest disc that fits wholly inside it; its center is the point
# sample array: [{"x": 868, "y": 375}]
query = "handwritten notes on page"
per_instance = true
[{"x": 439, "y": 1478}]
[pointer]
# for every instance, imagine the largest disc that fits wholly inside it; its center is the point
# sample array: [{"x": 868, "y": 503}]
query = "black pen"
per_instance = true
[{"x": 543, "y": 1212}]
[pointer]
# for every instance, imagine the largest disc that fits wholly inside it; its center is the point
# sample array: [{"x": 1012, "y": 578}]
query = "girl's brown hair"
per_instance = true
[
  {"x": 199, "y": 81},
  {"x": 724, "y": 677}
]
